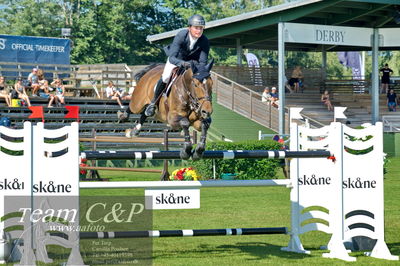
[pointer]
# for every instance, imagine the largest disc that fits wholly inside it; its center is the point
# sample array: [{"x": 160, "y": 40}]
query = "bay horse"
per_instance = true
[{"x": 187, "y": 103}]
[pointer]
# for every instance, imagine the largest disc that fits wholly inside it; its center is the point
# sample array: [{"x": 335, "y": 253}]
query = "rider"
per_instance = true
[{"x": 189, "y": 44}]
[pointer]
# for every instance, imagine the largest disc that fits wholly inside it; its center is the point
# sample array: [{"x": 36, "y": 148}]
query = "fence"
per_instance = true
[
  {"x": 246, "y": 102},
  {"x": 82, "y": 78},
  {"x": 243, "y": 75}
]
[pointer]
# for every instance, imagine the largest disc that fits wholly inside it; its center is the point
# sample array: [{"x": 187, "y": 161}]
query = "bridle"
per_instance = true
[{"x": 196, "y": 103}]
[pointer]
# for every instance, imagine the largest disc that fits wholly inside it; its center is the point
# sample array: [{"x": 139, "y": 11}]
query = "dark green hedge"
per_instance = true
[{"x": 244, "y": 168}]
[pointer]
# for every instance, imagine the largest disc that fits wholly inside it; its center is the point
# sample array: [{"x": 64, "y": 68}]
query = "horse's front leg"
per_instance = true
[
  {"x": 201, "y": 146},
  {"x": 186, "y": 151},
  {"x": 133, "y": 132}
]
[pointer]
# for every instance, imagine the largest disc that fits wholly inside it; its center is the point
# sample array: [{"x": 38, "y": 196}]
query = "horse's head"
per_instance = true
[{"x": 201, "y": 89}]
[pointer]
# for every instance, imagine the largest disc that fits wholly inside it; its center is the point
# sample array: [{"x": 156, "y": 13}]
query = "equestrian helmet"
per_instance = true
[{"x": 196, "y": 20}]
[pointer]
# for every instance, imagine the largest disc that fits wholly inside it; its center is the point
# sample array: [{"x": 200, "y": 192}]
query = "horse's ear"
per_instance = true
[{"x": 210, "y": 65}]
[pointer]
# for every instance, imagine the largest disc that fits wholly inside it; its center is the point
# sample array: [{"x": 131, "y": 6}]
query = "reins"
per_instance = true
[{"x": 194, "y": 101}]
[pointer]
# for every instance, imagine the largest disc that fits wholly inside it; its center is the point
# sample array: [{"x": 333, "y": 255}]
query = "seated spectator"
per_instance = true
[
  {"x": 325, "y": 99},
  {"x": 113, "y": 94},
  {"x": 44, "y": 93},
  {"x": 285, "y": 163},
  {"x": 60, "y": 91},
  {"x": 3, "y": 91},
  {"x": 288, "y": 87},
  {"x": 274, "y": 97},
  {"x": 128, "y": 96},
  {"x": 40, "y": 75},
  {"x": 266, "y": 96},
  {"x": 34, "y": 81},
  {"x": 20, "y": 92},
  {"x": 391, "y": 100},
  {"x": 295, "y": 78}
]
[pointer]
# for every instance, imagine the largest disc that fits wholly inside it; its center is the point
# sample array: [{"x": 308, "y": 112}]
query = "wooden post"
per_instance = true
[
  {"x": 233, "y": 96},
  {"x": 251, "y": 105},
  {"x": 165, "y": 174},
  {"x": 94, "y": 173}
]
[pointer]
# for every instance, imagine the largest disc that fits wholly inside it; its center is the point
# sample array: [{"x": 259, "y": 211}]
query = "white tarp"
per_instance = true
[{"x": 391, "y": 37}]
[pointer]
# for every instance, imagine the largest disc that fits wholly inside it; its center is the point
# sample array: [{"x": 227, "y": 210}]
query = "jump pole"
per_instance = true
[
  {"x": 188, "y": 184},
  {"x": 171, "y": 155},
  {"x": 181, "y": 233}
]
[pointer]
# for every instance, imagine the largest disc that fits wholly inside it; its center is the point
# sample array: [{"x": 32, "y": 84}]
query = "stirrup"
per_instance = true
[{"x": 150, "y": 109}]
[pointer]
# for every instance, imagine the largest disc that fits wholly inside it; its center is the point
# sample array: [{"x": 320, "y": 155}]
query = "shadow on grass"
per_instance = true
[
  {"x": 256, "y": 250},
  {"x": 394, "y": 248},
  {"x": 260, "y": 250}
]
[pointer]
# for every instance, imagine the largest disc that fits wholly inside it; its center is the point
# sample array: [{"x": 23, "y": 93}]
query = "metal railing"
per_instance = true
[
  {"x": 391, "y": 123},
  {"x": 247, "y": 102}
]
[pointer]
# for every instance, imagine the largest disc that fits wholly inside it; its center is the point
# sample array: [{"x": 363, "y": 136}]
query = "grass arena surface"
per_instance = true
[
  {"x": 249, "y": 207},
  {"x": 232, "y": 125}
]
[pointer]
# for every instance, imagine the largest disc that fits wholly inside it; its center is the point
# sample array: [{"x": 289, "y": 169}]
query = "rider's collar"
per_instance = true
[{"x": 192, "y": 40}]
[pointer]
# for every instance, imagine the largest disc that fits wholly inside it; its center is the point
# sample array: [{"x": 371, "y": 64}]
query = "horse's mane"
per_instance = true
[{"x": 141, "y": 73}]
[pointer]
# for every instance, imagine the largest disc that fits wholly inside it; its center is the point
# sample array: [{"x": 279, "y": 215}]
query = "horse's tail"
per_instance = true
[{"x": 141, "y": 73}]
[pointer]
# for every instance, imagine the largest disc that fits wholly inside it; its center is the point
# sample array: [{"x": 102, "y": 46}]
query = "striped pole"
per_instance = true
[
  {"x": 169, "y": 155},
  {"x": 188, "y": 184},
  {"x": 181, "y": 233}
]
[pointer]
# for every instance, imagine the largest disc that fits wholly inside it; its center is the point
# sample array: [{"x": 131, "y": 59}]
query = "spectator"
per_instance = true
[
  {"x": 274, "y": 98},
  {"x": 128, "y": 95},
  {"x": 113, "y": 94},
  {"x": 266, "y": 96},
  {"x": 44, "y": 93},
  {"x": 285, "y": 163},
  {"x": 386, "y": 71},
  {"x": 288, "y": 87},
  {"x": 3, "y": 91},
  {"x": 41, "y": 79},
  {"x": 60, "y": 91},
  {"x": 34, "y": 81},
  {"x": 392, "y": 100},
  {"x": 20, "y": 92},
  {"x": 295, "y": 79},
  {"x": 325, "y": 99}
]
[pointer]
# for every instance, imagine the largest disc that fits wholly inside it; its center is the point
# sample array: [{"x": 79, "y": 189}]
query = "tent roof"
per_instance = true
[{"x": 259, "y": 29}]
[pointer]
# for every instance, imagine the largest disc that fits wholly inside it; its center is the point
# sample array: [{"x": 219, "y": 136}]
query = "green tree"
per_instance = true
[{"x": 32, "y": 18}]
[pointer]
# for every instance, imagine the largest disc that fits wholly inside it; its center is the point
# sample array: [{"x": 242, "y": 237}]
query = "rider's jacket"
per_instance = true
[{"x": 180, "y": 51}]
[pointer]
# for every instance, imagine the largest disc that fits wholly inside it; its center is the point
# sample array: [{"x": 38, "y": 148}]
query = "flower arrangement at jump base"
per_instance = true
[{"x": 188, "y": 174}]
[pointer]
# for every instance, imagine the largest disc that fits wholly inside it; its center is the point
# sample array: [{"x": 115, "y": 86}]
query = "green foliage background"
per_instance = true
[
  {"x": 244, "y": 168},
  {"x": 109, "y": 31}
]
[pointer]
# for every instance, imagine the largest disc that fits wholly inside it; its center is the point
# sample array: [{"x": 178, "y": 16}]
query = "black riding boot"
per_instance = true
[{"x": 151, "y": 108}]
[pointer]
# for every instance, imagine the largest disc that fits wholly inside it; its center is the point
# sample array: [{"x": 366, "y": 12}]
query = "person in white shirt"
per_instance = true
[
  {"x": 112, "y": 93},
  {"x": 266, "y": 96}
]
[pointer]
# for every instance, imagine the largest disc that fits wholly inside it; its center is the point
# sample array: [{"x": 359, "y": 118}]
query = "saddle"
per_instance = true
[{"x": 176, "y": 72}]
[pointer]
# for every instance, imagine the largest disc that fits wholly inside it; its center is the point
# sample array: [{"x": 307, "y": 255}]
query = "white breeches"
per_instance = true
[{"x": 167, "y": 71}]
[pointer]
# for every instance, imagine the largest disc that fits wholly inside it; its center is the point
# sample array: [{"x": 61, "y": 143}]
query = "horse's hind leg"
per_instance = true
[
  {"x": 201, "y": 146},
  {"x": 136, "y": 130},
  {"x": 186, "y": 151},
  {"x": 124, "y": 116}
]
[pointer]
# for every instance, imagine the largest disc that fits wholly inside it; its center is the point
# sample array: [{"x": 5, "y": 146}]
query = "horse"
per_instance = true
[{"x": 187, "y": 103}]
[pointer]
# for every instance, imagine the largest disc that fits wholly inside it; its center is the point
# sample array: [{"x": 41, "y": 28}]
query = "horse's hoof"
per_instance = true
[
  {"x": 122, "y": 116},
  {"x": 184, "y": 155},
  {"x": 150, "y": 110},
  {"x": 135, "y": 132},
  {"x": 186, "y": 151},
  {"x": 131, "y": 132},
  {"x": 198, "y": 153},
  {"x": 197, "y": 156},
  {"x": 128, "y": 133}
]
